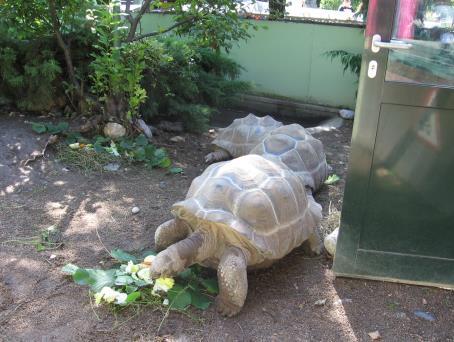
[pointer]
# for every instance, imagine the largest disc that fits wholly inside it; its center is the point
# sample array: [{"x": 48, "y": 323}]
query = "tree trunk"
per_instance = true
[{"x": 65, "y": 49}]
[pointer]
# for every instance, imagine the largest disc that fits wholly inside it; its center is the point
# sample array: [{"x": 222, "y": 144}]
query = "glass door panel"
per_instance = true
[{"x": 428, "y": 26}]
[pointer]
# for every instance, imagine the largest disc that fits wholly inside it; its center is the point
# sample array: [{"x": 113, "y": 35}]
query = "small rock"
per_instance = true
[
  {"x": 147, "y": 130},
  {"x": 401, "y": 315},
  {"x": 347, "y": 114},
  {"x": 343, "y": 301},
  {"x": 320, "y": 302},
  {"x": 112, "y": 167},
  {"x": 65, "y": 169},
  {"x": 331, "y": 241},
  {"x": 52, "y": 256},
  {"x": 114, "y": 130},
  {"x": 424, "y": 301},
  {"x": 135, "y": 210},
  {"x": 374, "y": 335},
  {"x": 162, "y": 185},
  {"x": 424, "y": 315},
  {"x": 177, "y": 139}
]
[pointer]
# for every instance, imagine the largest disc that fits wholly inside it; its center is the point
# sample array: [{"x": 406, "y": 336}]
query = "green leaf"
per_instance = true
[
  {"x": 40, "y": 247},
  {"x": 58, "y": 128},
  {"x": 160, "y": 153},
  {"x": 133, "y": 296},
  {"x": 141, "y": 140},
  {"x": 124, "y": 280},
  {"x": 82, "y": 277},
  {"x": 149, "y": 152},
  {"x": 39, "y": 127},
  {"x": 147, "y": 252},
  {"x": 199, "y": 300},
  {"x": 72, "y": 137},
  {"x": 96, "y": 279},
  {"x": 332, "y": 179},
  {"x": 123, "y": 256},
  {"x": 126, "y": 144},
  {"x": 165, "y": 163},
  {"x": 211, "y": 285},
  {"x": 175, "y": 170},
  {"x": 130, "y": 288},
  {"x": 179, "y": 297},
  {"x": 69, "y": 269},
  {"x": 140, "y": 282},
  {"x": 186, "y": 274}
]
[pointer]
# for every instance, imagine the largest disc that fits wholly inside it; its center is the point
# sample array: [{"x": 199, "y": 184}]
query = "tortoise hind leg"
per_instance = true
[
  {"x": 232, "y": 278},
  {"x": 169, "y": 233}
]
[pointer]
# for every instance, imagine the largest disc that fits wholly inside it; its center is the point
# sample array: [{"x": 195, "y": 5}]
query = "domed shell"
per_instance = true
[
  {"x": 298, "y": 150},
  {"x": 243, "y": 134},
  {"x": 255, "y": 202}
]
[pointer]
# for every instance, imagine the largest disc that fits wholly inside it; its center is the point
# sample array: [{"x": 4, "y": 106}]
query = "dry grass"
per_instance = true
[
  {"x": 87, "y": 161},
  {"x": 331, "y": 221}
]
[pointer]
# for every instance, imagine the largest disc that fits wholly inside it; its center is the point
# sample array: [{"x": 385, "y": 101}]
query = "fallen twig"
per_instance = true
[{"x": 51, "y": 140}]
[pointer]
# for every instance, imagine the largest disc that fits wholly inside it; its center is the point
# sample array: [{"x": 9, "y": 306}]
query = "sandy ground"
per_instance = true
[{"x": 38, "y": 303}]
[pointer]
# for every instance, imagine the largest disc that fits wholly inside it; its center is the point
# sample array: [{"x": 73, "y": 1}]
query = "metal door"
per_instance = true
[{"x": 398, "y": 213}]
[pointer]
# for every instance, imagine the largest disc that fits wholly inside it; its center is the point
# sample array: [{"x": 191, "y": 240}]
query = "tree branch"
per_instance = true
[
  {"x": 136, "y": 20},
  {"x": 170, "y": 28}
]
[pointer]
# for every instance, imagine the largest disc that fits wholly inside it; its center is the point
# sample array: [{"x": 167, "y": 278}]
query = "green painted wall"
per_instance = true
[{"x": 286, "y": 60}]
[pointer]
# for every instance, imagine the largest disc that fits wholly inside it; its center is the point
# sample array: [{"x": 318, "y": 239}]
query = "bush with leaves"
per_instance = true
[
  {"x": 193, "y": 81},
  {"x": 111, "y": 64},
  {"x": 29, "y": 76}
]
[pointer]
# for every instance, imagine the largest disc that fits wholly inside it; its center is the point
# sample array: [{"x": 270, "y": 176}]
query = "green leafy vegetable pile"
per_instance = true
[{"x": 130, "y": 284}]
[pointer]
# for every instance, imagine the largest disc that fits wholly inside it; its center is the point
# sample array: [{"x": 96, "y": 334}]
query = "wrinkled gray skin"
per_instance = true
[{"x": 180, "y": 249}]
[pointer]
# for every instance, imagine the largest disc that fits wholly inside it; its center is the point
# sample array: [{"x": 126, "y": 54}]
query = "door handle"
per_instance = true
[{"x": 392, "y": 44}]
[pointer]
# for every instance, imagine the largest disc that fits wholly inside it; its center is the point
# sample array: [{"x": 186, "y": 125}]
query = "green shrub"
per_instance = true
[
  {"x": 190, "y": 82},
  {"x": 28, "y": 76}
]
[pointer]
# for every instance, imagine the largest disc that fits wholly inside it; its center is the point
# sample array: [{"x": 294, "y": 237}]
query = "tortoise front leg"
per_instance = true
[
  {"x": 169, "y": 233},
  {"x": 232, "y": 279},
  {"x": 194, "y": 249}
]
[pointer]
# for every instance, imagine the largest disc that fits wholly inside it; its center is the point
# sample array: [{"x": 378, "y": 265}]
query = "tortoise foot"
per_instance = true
[{"x": 227, "y": 308}]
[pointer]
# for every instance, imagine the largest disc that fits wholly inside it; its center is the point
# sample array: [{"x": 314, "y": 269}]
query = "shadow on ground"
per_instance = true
[{"x": 38, "y": 303}]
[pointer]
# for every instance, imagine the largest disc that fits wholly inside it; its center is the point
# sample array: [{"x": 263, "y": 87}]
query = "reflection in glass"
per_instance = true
[{"x": 429, "y": 26}]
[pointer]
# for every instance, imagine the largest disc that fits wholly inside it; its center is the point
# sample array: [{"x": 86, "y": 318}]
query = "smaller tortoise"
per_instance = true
[
  {"x": 239, "y": 214},
  {"x": 299, "y": 151},
  {"x": 240, "y": 137}
]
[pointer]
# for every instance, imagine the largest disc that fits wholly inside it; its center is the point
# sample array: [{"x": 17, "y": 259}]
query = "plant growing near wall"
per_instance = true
[
  {"x": 118, "y": 68},
  {"x": 193, "y": 80},
  {"x": 115, "y": 58},
  {"x": 350, "y": 61}
]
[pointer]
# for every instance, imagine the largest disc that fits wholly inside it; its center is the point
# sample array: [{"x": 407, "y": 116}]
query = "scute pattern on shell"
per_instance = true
[
  {"x": 261, "y": 200},
  {"x": 297, "y": 149},
  {"x": 244, "y": 134}
]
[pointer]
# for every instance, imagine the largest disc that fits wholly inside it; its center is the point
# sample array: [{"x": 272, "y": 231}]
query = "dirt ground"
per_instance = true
[{"x": 39, "y": 303}]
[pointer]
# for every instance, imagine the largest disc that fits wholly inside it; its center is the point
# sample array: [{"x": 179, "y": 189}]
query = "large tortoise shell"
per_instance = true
[
  {"x": 259, "y": 202},
  {"x": 244, "y": 134},
  {"x": 298, "y": 150}
]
